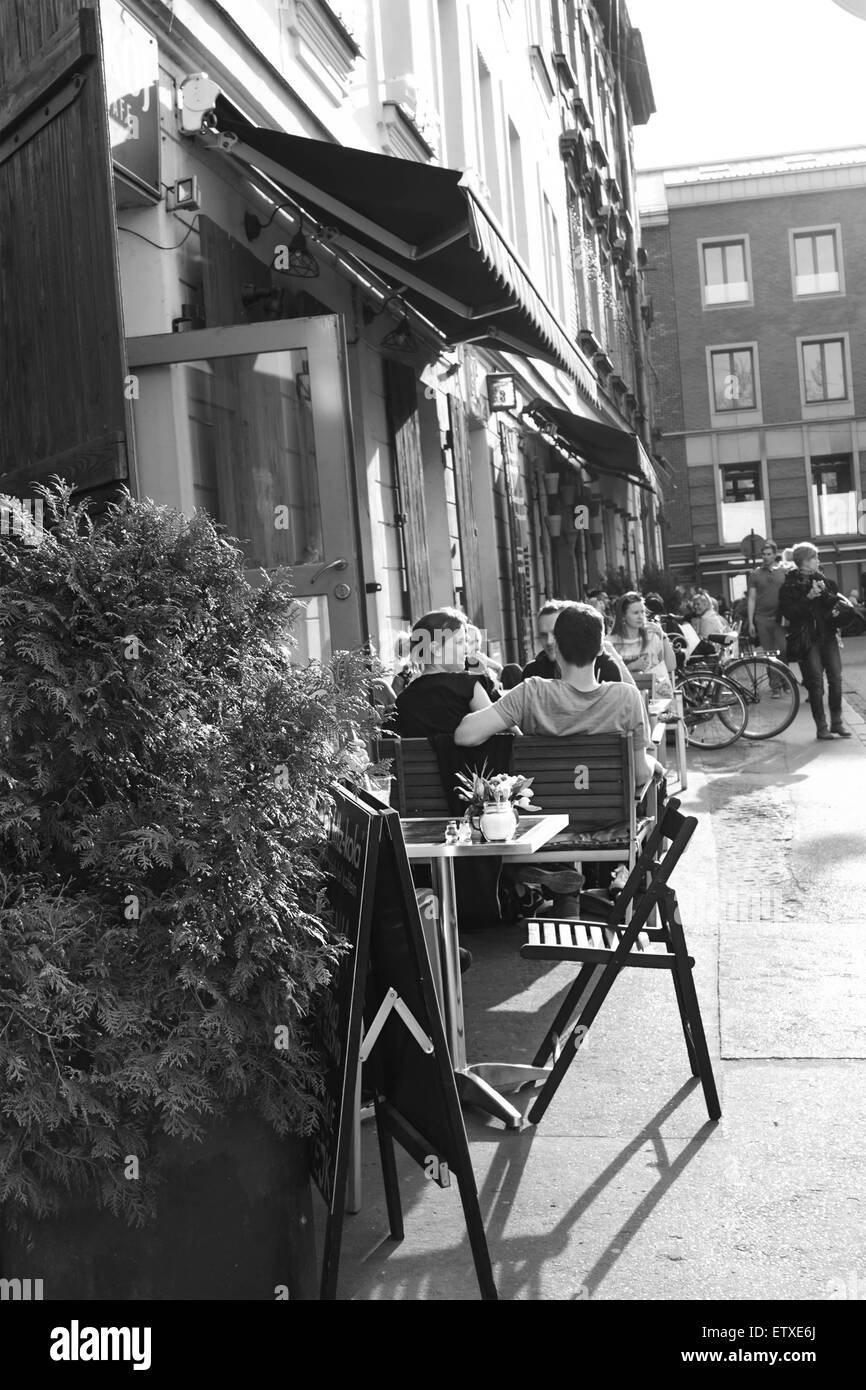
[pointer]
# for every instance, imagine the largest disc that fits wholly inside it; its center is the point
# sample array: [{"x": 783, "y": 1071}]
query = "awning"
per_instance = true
[
  {"x": 424, "y": 228},
  {"x": 601, "y": 448}
]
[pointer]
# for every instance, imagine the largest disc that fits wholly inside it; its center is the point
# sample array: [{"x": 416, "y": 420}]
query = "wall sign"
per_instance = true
[
  {"x": 501, "y": 391},
  {"x": 132, "y": 91}
]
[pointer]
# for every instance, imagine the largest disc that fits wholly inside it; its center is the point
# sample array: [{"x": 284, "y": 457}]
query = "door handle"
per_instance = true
[{"x": 340, "y": 564}]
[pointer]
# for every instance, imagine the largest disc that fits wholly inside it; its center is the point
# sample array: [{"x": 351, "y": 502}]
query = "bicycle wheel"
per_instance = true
[
  {"x": 714, "y": 711},
  {"x": 757, "y": 677}
]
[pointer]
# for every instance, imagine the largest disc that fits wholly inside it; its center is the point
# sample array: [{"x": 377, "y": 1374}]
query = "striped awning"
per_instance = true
[
  {"x": 599, "y": 447},
  {"x": 424, "y": 228}
]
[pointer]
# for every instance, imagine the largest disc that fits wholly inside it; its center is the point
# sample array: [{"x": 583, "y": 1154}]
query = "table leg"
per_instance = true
[
  {"x": 476, "y": 1084},
  {"x": 443, "y": 883}
]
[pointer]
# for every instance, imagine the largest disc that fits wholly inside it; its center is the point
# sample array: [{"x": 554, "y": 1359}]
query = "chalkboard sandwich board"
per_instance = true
[{"x": 385, "y": 982}]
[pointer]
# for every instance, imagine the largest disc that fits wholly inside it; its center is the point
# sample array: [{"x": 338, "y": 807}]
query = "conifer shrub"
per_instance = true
[{"x": 164, "y": 775}]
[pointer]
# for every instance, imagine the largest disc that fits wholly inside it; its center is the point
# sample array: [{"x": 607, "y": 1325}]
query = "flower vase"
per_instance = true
[{"x": 498, "y": 821}]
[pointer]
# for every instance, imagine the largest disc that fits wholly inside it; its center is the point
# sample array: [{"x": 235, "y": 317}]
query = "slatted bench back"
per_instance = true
[
  {"x": 419, "y": 785},
  {"x": 589, "y": 776}
]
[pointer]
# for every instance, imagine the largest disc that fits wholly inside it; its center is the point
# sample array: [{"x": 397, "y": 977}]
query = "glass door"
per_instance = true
[{"x": 251, "y": 423}]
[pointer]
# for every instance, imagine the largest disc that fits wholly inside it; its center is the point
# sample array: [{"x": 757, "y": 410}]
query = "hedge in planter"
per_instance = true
[{"x": 163, "y": 772}]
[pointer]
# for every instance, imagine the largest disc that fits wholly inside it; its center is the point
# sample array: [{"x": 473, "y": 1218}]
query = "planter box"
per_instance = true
[{"x": 235, "y": 1222}]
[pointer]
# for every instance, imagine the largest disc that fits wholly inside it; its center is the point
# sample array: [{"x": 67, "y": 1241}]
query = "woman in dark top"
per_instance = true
[
  {"x": 439, "y": 697},
  {"x": 807, "y": 599}
]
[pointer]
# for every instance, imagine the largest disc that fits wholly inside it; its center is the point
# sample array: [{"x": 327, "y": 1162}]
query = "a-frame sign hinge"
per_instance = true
[{"x": 393, "y": 1001}]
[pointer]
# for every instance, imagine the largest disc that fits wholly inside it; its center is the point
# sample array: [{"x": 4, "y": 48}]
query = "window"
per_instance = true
[
  {"x": 518, "y": 193},
  {"x": 488, "y": 131},
  {"x": 732, "y": 371},
  {"x": 824, "y": 370},
  {"x": 725, "y": 272},
  {"x": 742, "y": 501},
  {"x": 833, "y": 497},
  {"x": 552, "y": 264},
  {"x": 816, "y": 261}
]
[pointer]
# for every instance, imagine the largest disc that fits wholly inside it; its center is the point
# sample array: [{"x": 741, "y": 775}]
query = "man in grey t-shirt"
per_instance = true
[{"x": 576, "y": 704}]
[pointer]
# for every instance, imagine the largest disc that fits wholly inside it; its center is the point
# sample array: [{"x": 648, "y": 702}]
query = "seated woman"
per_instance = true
[
  {"x": 642, "y": 645},
  {"x": 477, "y": 658},
  {"x": 443, "y": 691},
  {"x": 706, "y": 621}
]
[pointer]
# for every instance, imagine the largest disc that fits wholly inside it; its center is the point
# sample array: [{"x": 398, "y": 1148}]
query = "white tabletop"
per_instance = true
[{"x": 425, "y": 838}]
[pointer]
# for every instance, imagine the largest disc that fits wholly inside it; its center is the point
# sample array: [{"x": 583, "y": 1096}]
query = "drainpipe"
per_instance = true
[{"x": 641, "y": 382}]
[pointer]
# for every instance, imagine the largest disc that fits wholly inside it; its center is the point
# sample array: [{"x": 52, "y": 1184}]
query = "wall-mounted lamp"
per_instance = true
[
  {"x": 253, "y": 227},
  {"x": 295, "y": 259},
  {"x": 271, "y": 300},
  {"x": 184, "y": 196},
  {"x": 401, "y": 338}
]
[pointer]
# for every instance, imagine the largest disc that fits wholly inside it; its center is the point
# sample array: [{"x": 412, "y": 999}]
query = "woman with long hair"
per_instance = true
[
  {"x": 807, "y": 599},
  {"x": 642, "y": 645}
]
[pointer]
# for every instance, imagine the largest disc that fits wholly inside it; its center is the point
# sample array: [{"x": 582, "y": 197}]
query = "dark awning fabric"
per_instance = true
[
  {"x": 421, "y": 226},
  {"x": 604, "y": 448}
]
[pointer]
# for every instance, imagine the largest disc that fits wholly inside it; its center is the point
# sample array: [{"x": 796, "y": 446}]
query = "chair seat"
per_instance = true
[
  {"x": 594, "y": 943},
  {"x": 614, "y": 837}
]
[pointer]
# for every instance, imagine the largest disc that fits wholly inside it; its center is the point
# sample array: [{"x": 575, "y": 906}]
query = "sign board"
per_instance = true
[
  {"x": 386, "y": 979},
  {"x": 501, "y": 391},
  {"x": 752, "y": 545},
  {"x": 350, "y": 864},
  {"x": 132, "y": 92}
]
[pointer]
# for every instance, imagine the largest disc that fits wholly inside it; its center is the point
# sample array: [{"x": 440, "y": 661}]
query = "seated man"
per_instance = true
[
  {"x": 608, "y": 666},
  {"x": 576, "y": 703}
]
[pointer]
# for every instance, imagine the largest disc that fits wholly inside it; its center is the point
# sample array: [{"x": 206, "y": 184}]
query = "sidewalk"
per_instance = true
[{"x": 625, "y": 1191}]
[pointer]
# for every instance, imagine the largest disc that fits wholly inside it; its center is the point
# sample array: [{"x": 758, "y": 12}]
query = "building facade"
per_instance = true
[
  {"x": 756, "y": 270},
  {"x": 362, "y": 279}
]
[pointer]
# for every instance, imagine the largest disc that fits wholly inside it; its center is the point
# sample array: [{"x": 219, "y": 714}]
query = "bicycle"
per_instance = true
[
  {"x": 770, "y": 691},
  {"x": 714, "y": 711}
]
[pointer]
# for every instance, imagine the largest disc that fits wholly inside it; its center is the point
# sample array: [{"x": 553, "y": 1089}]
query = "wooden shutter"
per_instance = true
[
  {"x": 466, "y": 511},
  {"x": 401, "y": 393},
  {"x": 62, "y": 350}
]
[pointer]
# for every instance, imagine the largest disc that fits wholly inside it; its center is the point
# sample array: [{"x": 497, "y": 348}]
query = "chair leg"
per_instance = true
[
  {"x": 687, "y": 1027},
  {"x": 690, "y": 1009},
  {"x": 574, "y": 1000},
  {"x": 595, "y": 998}
]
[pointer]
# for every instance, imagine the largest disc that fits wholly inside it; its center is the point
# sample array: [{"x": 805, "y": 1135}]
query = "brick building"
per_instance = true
[{"x": 757, "y": 271}]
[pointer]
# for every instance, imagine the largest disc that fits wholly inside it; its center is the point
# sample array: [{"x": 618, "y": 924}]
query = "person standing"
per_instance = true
[
  {"x": 763, "y": 600},
  {"x": 807, "y": 599}
]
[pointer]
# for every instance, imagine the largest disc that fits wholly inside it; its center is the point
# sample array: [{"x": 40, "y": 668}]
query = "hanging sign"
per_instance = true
[{"x": 132, "y": 91}]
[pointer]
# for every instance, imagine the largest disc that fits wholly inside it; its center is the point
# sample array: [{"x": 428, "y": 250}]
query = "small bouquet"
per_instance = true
[{"x": 480, "y": 789}]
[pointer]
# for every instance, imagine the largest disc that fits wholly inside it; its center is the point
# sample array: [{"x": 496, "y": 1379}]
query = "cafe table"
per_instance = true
[{"x": 480, "y": 1083}]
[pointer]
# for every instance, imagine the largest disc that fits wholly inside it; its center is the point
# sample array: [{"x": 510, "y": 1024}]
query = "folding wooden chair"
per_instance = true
[{"x": 614, "y": 936}]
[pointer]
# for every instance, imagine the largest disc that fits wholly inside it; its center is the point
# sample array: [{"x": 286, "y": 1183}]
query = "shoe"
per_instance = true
[
  {"x": 837, "y": 727},
  {"x": 823, "y": 732},
  {"x": 775, "y": 694},
  {"x": 465, "y": 959},
  {"x": 556, "y": 880}
]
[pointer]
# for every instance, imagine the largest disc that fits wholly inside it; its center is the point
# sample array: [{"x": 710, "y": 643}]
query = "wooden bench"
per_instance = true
[{"x": 588, "y": 776}]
